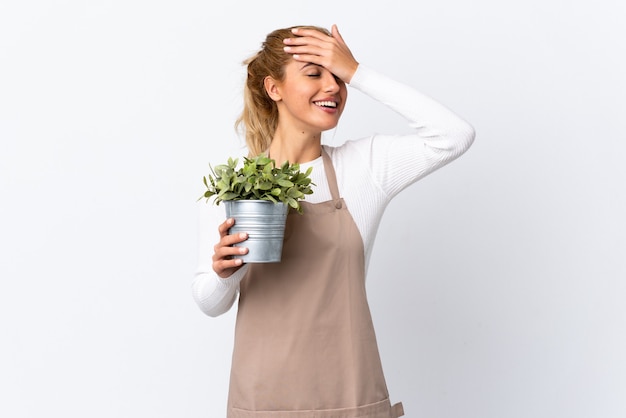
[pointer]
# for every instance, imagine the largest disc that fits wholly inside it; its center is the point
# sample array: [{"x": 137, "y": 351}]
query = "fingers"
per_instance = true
[
  {"x": 223, "y": 262},
  {"x": 311, "y": 33},
  {"x": 311, "y": 38},
  {"x": 225, "y": 226},
  {"x": 315, "y": 37},
  {"x": 312, "y": 46}
]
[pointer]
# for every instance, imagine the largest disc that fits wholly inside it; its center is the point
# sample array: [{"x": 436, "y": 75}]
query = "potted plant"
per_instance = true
[{"x": 258, "y": 196}]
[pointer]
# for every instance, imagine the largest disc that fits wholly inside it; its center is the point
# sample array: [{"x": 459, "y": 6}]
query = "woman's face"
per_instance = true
[{"x": 311, "y": 98}]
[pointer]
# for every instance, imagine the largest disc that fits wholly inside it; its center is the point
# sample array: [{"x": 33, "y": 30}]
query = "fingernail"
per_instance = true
[
  {"x": 243, "y": 235},
  {"x": 294, "y": 30},
  {"x": 238, "y": 261},
  {"x": 243, "y": 250},
  {"x": 287, "y": 48}
]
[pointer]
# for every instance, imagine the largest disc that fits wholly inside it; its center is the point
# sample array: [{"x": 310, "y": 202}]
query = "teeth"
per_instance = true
[{"x": 326, "y": 104}]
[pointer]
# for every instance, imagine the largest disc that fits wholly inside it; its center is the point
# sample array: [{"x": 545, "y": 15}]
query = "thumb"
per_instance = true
[{"x": 335, "y": 32}]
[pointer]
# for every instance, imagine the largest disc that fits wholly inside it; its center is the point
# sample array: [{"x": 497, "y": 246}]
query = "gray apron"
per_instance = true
[{"x": 304, "y": 340}]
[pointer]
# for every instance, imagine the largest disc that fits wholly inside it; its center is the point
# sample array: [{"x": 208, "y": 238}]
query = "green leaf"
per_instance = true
[
  {"x": 265, "y": 185},
  {"x": 292, "y": 202},
  {"x": 229, "y": 196},
  {"x": 263, "y": 160},
  {"x": 223, "y": 184},
  {"x": 294, "y": 193}
]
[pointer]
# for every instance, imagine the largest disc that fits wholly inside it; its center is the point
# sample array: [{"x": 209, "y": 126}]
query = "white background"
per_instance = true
[{"x": 496, "y": 284}]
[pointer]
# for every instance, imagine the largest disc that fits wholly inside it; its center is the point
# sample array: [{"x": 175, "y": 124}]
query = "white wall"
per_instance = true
[{"x": 497, "y": 283}]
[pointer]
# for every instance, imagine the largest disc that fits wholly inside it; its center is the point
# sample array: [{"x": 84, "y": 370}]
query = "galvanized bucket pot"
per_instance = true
[{"x": 264, "y": 222}]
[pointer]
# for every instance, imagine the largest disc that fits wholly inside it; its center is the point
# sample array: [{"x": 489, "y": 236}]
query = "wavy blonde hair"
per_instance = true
[{"x": 259, "y": 118}]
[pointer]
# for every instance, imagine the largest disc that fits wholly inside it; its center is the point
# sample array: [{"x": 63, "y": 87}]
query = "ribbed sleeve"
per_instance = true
[
  {"x": 215, "y": 295},
  {"x": 439, "y": 135}
]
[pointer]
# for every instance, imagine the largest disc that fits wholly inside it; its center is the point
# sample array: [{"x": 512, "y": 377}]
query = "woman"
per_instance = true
[{"x": 304, "y": 341}]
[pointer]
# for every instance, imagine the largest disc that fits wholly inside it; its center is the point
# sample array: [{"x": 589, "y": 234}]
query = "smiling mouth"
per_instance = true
[{"x": 326, "y": 103}]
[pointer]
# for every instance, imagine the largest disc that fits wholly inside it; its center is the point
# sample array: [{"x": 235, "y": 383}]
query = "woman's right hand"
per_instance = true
[{"x": 223, "y": 262}]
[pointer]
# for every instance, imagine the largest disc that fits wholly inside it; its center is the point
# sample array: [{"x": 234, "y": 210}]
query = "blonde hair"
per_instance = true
[{"x": 259, "y": 117}]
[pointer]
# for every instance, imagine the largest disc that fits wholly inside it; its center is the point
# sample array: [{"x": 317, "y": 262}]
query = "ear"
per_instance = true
[{"x": 272, "y": 88}]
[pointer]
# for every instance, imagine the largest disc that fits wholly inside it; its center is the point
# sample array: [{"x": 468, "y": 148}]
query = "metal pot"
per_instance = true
[{"x": 264, "y": 222}]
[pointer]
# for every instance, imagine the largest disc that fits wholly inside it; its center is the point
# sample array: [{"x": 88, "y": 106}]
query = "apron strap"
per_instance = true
[
  {"x": 330, "y": 175},
  {"x": 397, "y": 410}
]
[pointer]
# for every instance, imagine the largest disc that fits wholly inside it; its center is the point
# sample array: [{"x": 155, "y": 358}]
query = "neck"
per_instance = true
[{"x": 295, "y": 147}]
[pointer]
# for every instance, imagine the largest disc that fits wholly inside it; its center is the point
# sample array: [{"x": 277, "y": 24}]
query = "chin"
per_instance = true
[{"x": 328, "y": 126}]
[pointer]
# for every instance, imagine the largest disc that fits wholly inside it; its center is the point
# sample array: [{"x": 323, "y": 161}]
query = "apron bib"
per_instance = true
[{"x": 304, "y": 340}]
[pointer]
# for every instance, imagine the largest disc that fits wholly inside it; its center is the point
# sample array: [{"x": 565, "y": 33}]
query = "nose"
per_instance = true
[{"x": 330, "y": 83}]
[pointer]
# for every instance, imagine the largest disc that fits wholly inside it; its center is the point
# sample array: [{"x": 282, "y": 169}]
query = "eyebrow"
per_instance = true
[{"x": 308, "y": 64}]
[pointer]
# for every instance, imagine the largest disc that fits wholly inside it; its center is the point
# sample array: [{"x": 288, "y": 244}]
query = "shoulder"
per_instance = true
[
  {"x": 352, "y": 162},
  {"x": 351, "y": 151},
  {"x": 351, "y": 157}
]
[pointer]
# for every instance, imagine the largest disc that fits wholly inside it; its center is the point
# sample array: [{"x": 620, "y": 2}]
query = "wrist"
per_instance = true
[{"x": 351, "y": 72}]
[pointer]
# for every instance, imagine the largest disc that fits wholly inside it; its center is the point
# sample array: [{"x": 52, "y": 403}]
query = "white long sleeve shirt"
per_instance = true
[{"x": 370, "y": 172}]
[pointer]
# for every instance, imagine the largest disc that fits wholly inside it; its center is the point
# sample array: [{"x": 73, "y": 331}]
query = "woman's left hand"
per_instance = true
[{"x": 331, "y": 52}]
